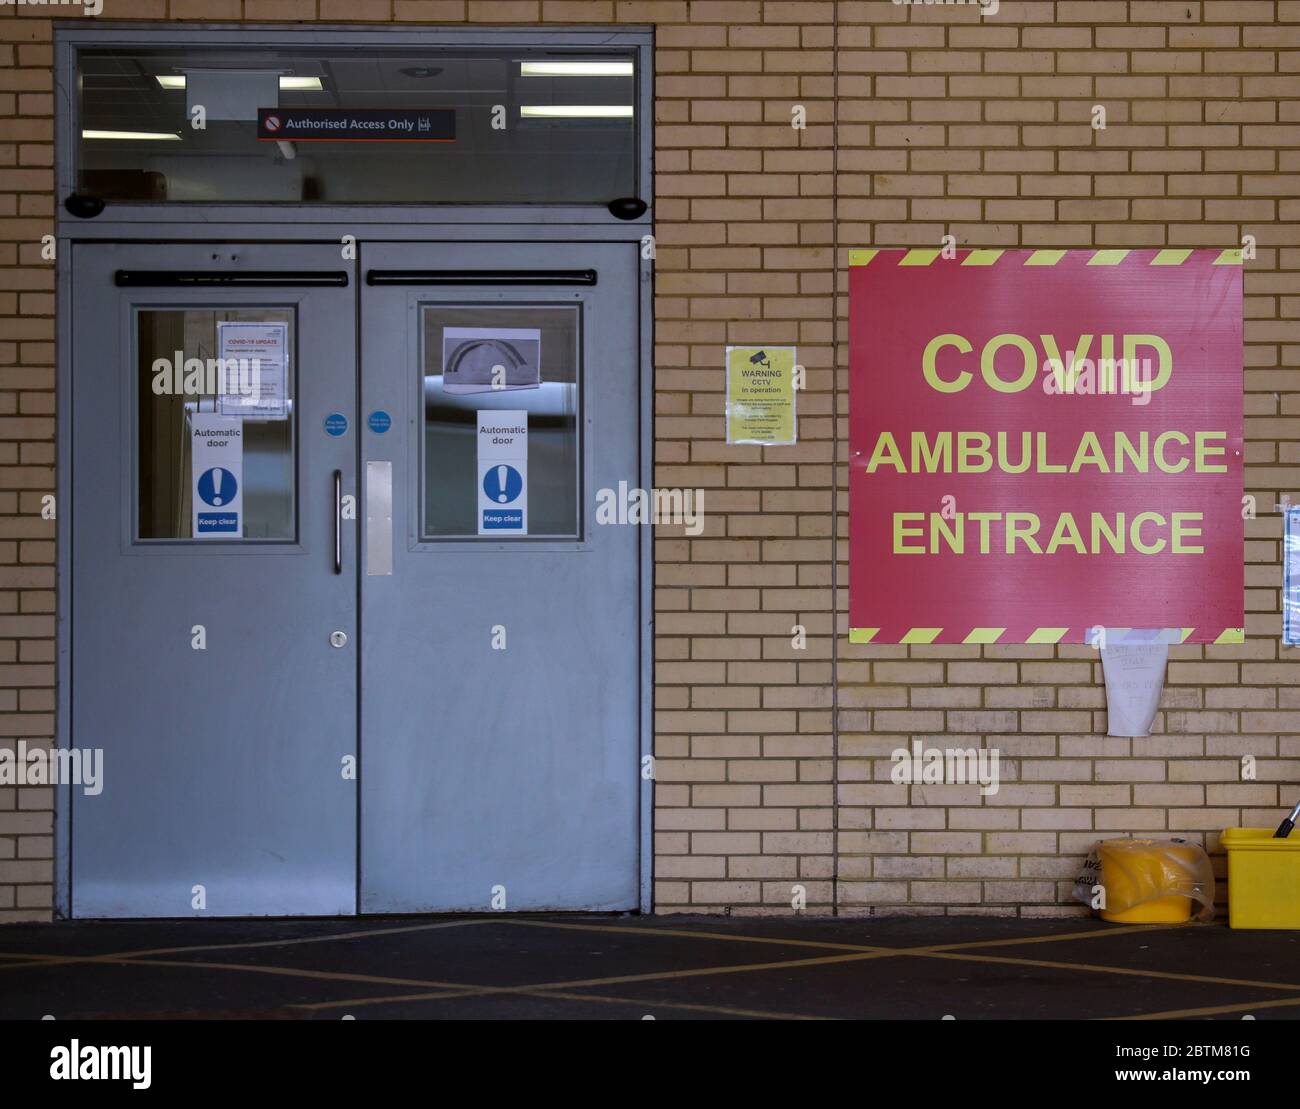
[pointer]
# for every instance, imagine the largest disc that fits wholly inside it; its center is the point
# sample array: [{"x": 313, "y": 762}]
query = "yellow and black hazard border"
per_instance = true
[
  {"x": 864, "y": 256},
  {"x": 1035, "y": 635}
]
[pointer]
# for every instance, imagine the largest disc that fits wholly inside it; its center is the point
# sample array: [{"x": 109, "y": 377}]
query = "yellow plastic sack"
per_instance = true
[{"x": 1147, "y": 881}]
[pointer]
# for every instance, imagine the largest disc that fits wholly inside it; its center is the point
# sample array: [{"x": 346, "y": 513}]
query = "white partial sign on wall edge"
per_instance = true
[{"x": 1291, "y": 576}]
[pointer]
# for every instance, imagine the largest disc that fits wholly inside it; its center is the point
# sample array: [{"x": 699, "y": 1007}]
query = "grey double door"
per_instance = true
[{"x": 344, "y": 623}]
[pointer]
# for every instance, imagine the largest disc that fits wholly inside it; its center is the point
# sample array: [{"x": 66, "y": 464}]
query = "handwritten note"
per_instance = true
[{"x": 1135, "y": 675}]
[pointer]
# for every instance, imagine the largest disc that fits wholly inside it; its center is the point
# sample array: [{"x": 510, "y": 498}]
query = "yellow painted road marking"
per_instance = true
[
  {"x": 862, "y": 635},
  {"x": 1211, "y": 1010},
  {"x": 699, "y": 972},
  {"x": 446, "y": 990},
  {"x": 955, "y": 951},
  {"x": 289, "y": 942},
  {"x": 1232, "y": 635},
  {"x": 660, "y": 1003},
  {"x": 292, "y": 972},
  {"x": 1171, "y": 257},
  {"x": 1108, "y": 257},
  {"x": 692, "y": 934},
  {"x": 1228, "y": 258},
  {"x": 1132, "y": 972},
  {"x": 984, "y": 635},
  {"x": 861, "y": 257},
  {"x": 1053, "y": 937},
  {"x": 918, "y": 952},
  {"x": 649, "y": 976},
  {"x": 1045, "y": 257},
  {"x": 657, "y": 1003}
]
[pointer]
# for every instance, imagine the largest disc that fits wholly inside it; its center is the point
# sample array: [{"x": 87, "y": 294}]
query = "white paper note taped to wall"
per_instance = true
[{"x": 1135, "y": 676}]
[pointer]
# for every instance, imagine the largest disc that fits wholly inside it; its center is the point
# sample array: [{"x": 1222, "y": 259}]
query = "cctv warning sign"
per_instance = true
[{"x": 1045, "y": 443}]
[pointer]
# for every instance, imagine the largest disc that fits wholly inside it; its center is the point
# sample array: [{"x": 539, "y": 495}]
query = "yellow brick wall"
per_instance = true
[
  {"x": 945, "y": 122},
  {"x": 982, "y": 128}
]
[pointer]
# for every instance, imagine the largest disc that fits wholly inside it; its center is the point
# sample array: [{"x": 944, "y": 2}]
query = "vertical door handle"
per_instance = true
[{"x": 338, "y": 521}]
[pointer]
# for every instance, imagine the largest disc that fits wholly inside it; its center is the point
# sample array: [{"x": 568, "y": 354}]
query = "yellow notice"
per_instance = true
[{"x": 760, "y": 395}]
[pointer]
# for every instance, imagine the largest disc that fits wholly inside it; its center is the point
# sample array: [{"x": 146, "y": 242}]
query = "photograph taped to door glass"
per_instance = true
[
  {"x": 214, "y": 414},
  {"x": 485, "y": 360},
  {"x": 523, "y": 361}
]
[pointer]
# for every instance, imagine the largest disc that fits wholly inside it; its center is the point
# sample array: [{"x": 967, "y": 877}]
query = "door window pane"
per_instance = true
[
  {"x": 202, "y": 375},
  {"x": 531, "y": 354},
  {"x": 438, "y": 126}
]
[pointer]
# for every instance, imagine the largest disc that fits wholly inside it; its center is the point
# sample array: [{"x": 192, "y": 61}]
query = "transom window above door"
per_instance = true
[{"x": 438, "y": 125}]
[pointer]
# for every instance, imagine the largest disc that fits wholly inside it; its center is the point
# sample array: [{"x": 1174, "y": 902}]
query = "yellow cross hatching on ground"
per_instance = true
[{"x": 580, "y": 990}]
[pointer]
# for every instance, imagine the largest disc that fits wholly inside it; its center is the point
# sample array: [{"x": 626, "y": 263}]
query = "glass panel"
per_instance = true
[
  {"x": 531, "y": 350},
  {"x": 181, "y": 377},
  {"x": 438, "y": 126}
]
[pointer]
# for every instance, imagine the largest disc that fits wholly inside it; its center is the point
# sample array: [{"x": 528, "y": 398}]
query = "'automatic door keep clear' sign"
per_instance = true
[
  {"x": 502, "y": 472},
  {"x": 217, "y": 474}
]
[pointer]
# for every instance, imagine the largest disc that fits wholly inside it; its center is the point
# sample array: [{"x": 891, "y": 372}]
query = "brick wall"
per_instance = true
[
  {"x": 982, "y": 128},
  {"x": 948, "y": 122}
]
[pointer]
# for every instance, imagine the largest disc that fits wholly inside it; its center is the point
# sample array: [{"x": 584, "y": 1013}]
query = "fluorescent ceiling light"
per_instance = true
[
  {"x": 575, "y": 69},
  {"x": 130, "y": 135},
  {"x": 296, "y": 84},
  {"x": 576, "y": 111}
]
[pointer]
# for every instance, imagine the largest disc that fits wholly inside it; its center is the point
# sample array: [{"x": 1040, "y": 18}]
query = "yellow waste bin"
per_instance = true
[
  {"x": 1263, "y": 878},
  {"x": 1139, "y": 876}
]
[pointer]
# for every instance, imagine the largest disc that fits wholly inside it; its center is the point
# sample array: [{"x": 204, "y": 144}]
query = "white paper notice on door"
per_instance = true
[
  {"x": 217, "y": 476},
  {"x": 502, "y": 472},
  {"x": 491, "y": 359},
  {"x": 1135, "y": 676},
  {"x": 255, "y": 360}
]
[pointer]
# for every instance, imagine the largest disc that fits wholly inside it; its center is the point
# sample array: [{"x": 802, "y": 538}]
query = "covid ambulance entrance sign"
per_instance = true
[{"x": 1044, "y": 444}]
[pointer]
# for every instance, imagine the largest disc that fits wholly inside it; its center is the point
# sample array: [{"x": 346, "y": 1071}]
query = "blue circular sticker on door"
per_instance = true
[
  {"x": 380, "y": 421},
  {"x": 217, "y": 486},
  {"x": 336, "y": 423},
  {"x": 503, "y": 483}
]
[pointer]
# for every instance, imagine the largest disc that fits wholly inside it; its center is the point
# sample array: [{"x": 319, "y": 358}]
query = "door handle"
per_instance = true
[{"x": 338, "y": 521}]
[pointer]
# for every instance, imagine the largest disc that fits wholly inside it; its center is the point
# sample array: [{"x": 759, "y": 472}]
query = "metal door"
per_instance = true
[
  {"x": 203, "y": 666},
  {"x": 500, "y": 671}
]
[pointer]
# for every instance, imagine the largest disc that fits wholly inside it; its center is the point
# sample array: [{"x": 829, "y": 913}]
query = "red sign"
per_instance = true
[{"x": 1045, "y": 443}]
